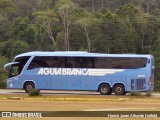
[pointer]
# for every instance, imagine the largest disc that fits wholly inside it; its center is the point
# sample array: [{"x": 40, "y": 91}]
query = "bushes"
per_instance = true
[
  {"x": 34, "y": 92},
  {"x": 2, "y": 84},
  {"x": 3, "y": 75},
  {"x": 148, "y": 94}
]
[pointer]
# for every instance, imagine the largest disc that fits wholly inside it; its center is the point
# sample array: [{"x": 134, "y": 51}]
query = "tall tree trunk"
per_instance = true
[
  {"x": 68, "y": 34},
  {"x": 66, "y": 25},
  {"x": 88, "y": 39},
  {"x": 49, "y": 31},
  {"x": 65, "y": 33}
]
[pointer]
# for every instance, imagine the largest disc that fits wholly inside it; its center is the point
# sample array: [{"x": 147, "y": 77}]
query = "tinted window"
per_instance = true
[
  {"x": 56, "y": 62},
  {"x": 88, "y": 62},
  {"x": 120, "y": 63},
  {"x": 132, "y": 63},
  {"x": 104, "y": 62},
  {"x": 22, "y": 60},
  {"x": 79, "y": 62},
  {"x": 61, "y": 62}
]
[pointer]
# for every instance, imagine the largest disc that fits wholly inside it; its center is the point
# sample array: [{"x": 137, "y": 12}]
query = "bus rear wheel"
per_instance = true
[
  {"x": 105, "y": 89},
  {"x": 119, "y": 89},
  {"x": 29, "y": 86}
]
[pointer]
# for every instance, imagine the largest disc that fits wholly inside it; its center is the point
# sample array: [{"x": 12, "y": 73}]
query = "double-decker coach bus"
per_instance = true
[{"x": 106, "y": 73}]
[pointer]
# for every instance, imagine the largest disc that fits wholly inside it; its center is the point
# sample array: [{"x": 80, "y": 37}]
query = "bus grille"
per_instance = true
[{"x": 138, "y": 84}]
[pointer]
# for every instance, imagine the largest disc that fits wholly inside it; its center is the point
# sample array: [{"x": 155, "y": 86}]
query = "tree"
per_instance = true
[
  {"x": 6, "y": 7},
  {"x": 19, "y": 26},
  {"x": 155, "y": 51},
  {"x": 12, "y": 48},
  {"x": 85, "y": 22},
  {"x": 131, "y": 15},
  {"x": 65, "y": 9},
  {"x": 114, "y": 32},
  {"x": 46, "y": 19},
  {"x": 3, "y": 60}
]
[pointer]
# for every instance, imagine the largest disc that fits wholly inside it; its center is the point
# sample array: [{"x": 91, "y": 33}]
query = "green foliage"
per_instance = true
[
  {"x": 19, "y": 26},
  {"x": 65, "y": 9},
  {"x": 6, "y": 6},
  {"x": 5, "y": 3},
  {"x": 45, "y": 16},
  {"x": 3, "y": 60},
  {"x": 12, "y": 48},
  {"x": 127, "y": 11},
  {"x": 148, "y": 94},
  {"x": 34, "y": 92}
]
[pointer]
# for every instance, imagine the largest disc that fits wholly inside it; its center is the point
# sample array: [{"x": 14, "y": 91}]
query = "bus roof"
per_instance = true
[{"x": 78, "y": 53}]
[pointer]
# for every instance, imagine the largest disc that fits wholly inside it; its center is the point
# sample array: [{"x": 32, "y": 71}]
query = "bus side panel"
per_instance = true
[
  {"x": 66, "y": 82},
  {"x": 29, "y": 75},
  {"x": 44, "y": 82},
  {"x": 87, "y": 83},
  {"x": 127, "y": 83},
  {"x": 73, "y": 82},
  {"x": 59, "y": 82},
  {"x": 13, "y": 82},
  {"x": 116, "y": 79},
  {"x": 102, "y": 79},
  {"x": 29, "y": 78}
]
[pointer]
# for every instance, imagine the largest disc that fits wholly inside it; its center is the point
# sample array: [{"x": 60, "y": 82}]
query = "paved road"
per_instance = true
[
  {"x": 60, "y": 93},
  {"x": 49, "y": 92}
]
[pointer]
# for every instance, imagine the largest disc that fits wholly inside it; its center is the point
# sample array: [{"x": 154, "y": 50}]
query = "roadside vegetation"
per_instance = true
[{"x": 34, "y": 92}]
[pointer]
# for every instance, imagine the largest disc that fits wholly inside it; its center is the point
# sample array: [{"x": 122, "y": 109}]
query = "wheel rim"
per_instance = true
[
  {"x": 104, "y": 89},
  {"x": 118, "y": 89},
  {"x": 29, "y": 87}
]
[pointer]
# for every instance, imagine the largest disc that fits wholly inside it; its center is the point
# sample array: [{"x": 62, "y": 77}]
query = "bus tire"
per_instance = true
[
  {"x": 28, "y": 86},
  {"x": 104, "y": 89},
  {"x": 119, "y": 89}
]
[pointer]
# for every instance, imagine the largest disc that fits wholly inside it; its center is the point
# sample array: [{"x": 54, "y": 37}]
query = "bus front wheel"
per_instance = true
[
  {"x": 29, "y": 86},
  {"x": 119, "y": 89},
  {"x": 105, "y": 89}
]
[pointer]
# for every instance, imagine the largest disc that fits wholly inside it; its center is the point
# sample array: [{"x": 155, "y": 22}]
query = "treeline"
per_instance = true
[{"x": 106, "y": 26}]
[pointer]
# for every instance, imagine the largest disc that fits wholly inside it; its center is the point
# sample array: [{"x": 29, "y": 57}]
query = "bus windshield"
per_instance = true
[
  {"x": 17, "y": 68},
  {"x": 14, "y": 70}
]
